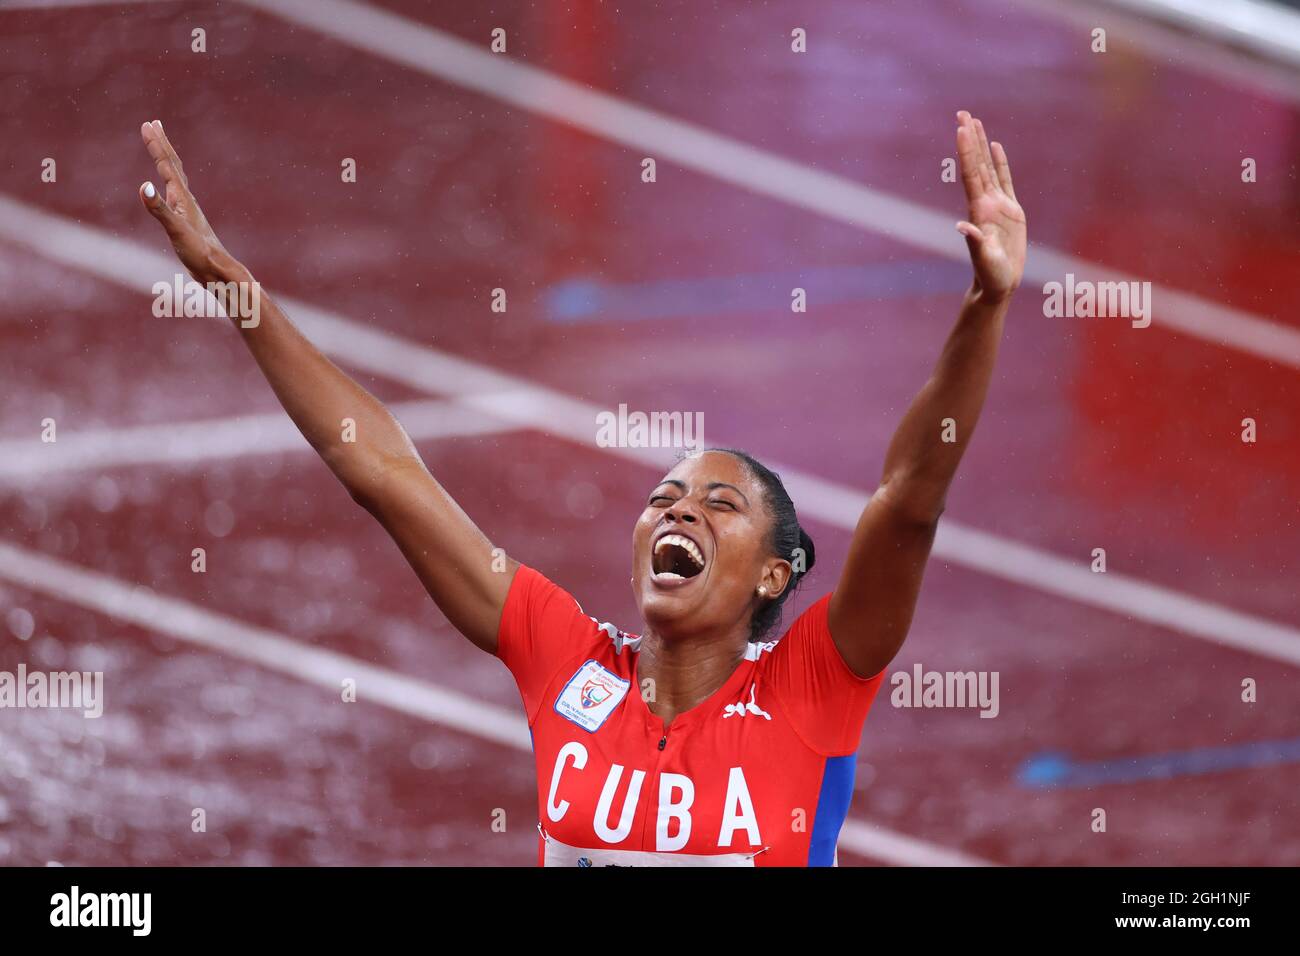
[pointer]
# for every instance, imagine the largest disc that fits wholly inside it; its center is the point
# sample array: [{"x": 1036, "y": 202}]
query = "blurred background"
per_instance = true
[{"x": 775, "y": 169}]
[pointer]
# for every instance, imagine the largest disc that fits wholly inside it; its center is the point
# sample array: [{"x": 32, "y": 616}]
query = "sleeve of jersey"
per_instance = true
[
  {"x": 825, "y": 701},
  {"x": 541, "y": 626}
]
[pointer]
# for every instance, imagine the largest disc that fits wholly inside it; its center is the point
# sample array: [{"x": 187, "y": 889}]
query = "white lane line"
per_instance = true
[
  {"x": 139, "y": 605},
  {"x": 1266, "y": 28},
  {"x": 188, "y": 622},
  {"x": 1118, "y": 592},
  {"x": 881, "y": 844},
  {"x": 1031, "y": 567},
  {"x": 179, "y": 443},
  {"x": 438, "y": 54},
  {"x": 515, "y": 400}
]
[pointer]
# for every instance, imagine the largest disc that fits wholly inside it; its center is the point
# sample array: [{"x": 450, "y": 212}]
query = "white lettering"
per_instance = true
[
  {"x": 738, "y": 811},
  {"x": 578, "y": 752},
  {"x": 601, "y": 823},
  {"x": 669, "y": 811}
]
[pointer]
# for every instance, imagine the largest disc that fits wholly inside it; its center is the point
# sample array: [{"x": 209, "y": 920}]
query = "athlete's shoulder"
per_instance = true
[
  {"x": 810, "y": 625},
  {"x": 814, "y": 686},
  {"x": 545, "y": 634},
  {"x": 532, "y": 587},
  {"x": 542, "y": 611}
]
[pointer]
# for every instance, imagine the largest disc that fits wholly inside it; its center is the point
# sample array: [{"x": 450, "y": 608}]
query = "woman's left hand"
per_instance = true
[{"x": 995, "y": 230}]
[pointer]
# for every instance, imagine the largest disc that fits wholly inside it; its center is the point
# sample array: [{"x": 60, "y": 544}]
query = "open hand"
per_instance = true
[
  {"x": 196, "y": 245},
  {"x": 995, "y": 229}
]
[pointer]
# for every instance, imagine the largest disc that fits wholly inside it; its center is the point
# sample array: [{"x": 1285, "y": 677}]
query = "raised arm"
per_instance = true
[
  {"x": 381, "y": 469},
  {"x": 871, "y": 609}
]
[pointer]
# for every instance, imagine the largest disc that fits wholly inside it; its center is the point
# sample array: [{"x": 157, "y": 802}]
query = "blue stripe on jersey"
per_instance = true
[{"x": 832, "y": 808}]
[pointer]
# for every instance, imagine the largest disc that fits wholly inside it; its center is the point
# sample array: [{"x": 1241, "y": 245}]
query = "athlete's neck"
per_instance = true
[{"x": 684, "y": 672}]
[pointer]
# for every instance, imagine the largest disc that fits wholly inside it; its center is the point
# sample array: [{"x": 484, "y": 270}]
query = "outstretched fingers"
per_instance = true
[
  {"x": 968, "y": 158},
  {"x": 1004, "y": 170},
  {"x": 165, "y": 159},
  {"x": 986, "y": 158},
  {"x": 171, "y": 153}
]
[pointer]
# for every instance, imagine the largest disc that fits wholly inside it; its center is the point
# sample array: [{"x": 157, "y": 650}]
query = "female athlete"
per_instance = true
[{"x": 698, "y": 742}]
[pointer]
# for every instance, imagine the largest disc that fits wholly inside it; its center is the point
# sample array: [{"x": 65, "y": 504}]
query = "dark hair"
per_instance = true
[{"x": 787, "y": 538}]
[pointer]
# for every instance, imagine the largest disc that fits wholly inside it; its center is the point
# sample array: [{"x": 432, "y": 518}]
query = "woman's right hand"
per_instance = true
[{"x": 196, "y": 245}]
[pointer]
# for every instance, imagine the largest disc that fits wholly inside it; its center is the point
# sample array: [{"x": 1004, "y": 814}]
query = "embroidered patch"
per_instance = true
[{"x": 590, "y": 696}]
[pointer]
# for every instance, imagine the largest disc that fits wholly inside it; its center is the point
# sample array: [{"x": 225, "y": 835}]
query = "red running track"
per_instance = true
[{"x": 1096, "y": 435}]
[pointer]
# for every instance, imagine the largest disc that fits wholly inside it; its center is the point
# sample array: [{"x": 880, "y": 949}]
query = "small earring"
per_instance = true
[{"x": 762, "y": 590}]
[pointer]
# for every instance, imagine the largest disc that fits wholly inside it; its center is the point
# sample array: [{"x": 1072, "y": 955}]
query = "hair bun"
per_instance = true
[{"x": 809, "y": 552}]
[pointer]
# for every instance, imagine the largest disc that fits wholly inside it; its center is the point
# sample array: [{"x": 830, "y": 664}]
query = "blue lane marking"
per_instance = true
[
  {"x": 593, "y": 300},
  {"x": 1055, "y": 770}
]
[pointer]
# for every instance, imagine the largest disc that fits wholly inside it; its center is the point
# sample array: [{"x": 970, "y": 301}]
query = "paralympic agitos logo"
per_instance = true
[{"x": 595, "y": 692}]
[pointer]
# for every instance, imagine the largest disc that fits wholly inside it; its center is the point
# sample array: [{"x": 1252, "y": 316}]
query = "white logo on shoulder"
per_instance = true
[
  {"x": 740, "y": 709},
  {"x": 590, "y": 696}
]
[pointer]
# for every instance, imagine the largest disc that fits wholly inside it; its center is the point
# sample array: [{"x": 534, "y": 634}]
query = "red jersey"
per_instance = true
[{"x": 759, "y": 774}]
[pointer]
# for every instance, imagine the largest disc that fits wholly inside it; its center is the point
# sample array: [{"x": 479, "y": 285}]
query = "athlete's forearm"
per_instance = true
[
  {"x": 349, "y": 428},
  {"x": 932, "y": 437},
  {"x": 358, "y": 438}
]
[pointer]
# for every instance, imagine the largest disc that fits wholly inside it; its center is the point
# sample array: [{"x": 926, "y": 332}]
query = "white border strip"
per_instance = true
[
  {"x": 7, "y": 5},
  {"x": 446, "y": 57},
  {"x": 1266, "y": 28},
  {"x": 512, "y": 399},
  {"x": 180, "y": 619},
  {"x": 1193, "y": 52}
]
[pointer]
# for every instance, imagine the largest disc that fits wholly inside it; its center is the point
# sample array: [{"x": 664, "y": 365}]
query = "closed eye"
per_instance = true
[
  {"x": 655, "y": 498},
  {"x": 723, "y": 501}
]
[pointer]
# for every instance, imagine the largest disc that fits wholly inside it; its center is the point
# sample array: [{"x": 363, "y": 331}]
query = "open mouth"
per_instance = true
[{"x": 676, "y": 558}]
